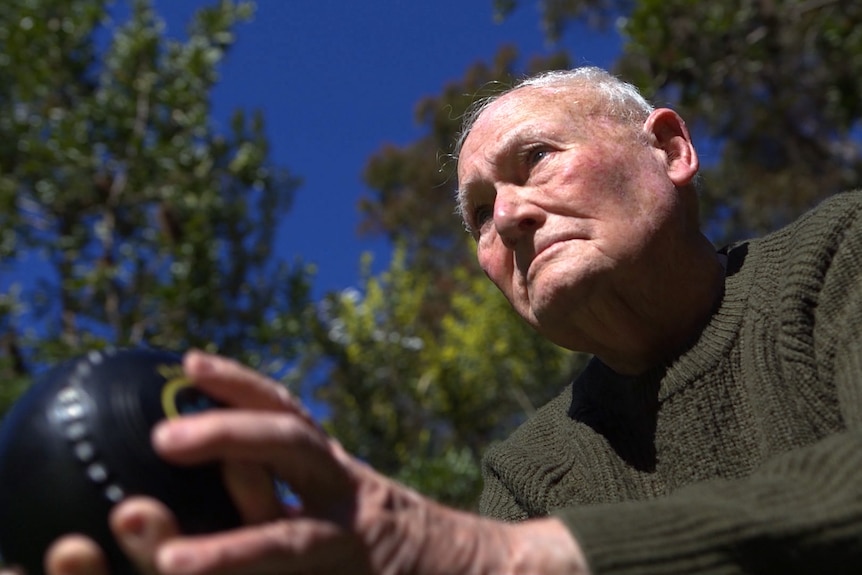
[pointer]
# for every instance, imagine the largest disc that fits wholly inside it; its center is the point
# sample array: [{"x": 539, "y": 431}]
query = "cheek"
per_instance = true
[
  {"x": 590, "y": 184},
  {"x": 496, "y": 262},
  {"x": 608, "y": 181}
]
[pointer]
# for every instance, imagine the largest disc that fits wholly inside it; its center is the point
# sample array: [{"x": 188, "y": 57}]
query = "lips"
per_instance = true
[
  {"x": 543, "y": 248},
  {"x": 544, "y": 245}
]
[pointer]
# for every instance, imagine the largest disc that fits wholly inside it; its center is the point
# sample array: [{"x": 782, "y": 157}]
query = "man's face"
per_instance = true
[{"x": 569, "y": 209}]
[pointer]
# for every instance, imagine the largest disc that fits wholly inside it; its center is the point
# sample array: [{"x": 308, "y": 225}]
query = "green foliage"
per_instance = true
[
  {"x": 421, "y": 399},
  {"x": 139, "y": 222},
  {"x": 13, "y": 379},
  {"x": 556, "y": 14},
  {"x": 453, "y": 476},
  {"x": 776, "y": 87},
  {"x": 372, "y": 341}
]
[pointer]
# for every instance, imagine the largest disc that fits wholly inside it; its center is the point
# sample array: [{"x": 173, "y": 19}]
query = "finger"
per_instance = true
[
  {"x": 140, "y": 525},
  {"x": 299, "y": 546},
  {"x": 239, "y": 386},
  {"x": 75, "y": 555},
  {"x": 301, "y": 455},
  {"x": 253, "y": 491}
]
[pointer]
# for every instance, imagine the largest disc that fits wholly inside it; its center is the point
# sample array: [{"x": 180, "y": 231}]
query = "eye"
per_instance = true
[
  {"x": 535, "y": 154},
  {"x": 481, "y": 215}
]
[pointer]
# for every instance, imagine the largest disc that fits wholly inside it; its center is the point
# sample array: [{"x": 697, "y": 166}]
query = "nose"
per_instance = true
[{"x": 515, "y": 216}]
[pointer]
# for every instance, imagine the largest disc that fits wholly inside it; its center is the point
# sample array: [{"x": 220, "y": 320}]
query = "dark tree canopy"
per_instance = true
[{"x": 128, "y": 217}]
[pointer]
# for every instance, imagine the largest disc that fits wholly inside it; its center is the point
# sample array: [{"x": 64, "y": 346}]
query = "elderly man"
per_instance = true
[{"x": 717, "y": 429}]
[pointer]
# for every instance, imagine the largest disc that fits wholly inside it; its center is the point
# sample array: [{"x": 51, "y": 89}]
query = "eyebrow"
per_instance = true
[
  {"x": 514, "y": 139},
  {"x": 461, "y": 204}
]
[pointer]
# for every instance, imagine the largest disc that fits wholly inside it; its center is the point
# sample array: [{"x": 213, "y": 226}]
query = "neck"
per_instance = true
[{"x": 669, "y": 321}]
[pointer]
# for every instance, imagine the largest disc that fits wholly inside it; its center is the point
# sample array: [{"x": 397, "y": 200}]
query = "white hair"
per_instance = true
[{"x": 618, "y": 99}]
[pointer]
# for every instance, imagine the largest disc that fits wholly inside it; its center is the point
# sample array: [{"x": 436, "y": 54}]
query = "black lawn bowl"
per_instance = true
[{"x": 78, "y": 442}]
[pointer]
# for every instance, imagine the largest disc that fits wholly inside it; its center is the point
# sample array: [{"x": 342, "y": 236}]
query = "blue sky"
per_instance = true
[{"x": 337, "y": 79}]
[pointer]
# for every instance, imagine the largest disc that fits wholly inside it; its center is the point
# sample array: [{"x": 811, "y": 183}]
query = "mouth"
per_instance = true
[{"x": 544, "y": 251}]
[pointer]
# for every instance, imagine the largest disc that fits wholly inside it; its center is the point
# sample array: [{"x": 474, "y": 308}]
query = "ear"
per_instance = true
[{"x": 671, "y": 136}]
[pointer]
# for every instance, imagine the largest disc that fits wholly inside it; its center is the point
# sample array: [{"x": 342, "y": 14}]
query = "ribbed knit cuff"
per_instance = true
[
  {"x": 802, "y": 513},
  {"x": 646, "y": 537}
]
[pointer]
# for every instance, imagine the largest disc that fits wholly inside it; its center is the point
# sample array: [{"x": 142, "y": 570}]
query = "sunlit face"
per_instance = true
[{"x": 571, "y": 210}]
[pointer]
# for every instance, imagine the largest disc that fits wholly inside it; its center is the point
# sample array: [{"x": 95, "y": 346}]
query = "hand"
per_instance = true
[{"x": 350, "y": 519}]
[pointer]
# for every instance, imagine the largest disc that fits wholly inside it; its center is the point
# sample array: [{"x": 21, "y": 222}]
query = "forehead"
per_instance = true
[
  {"x": 527, "y": 105},
  {"x": 546, "y": 111}
]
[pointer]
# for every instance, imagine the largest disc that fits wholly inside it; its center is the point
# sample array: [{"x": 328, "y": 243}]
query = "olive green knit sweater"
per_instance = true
[{"x": 744, "y": 455}]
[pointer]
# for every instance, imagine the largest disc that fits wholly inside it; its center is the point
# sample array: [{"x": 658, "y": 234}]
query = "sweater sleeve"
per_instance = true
[{"x": 799, "y": 512}]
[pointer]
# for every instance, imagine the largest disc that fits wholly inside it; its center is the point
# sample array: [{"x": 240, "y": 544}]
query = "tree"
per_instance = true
[
  {"x": 774, "y": 84},
  {"x": 557, "y": 14},
  {"x": 419, "y": 397},
  {"x": 146, "y": 225}
]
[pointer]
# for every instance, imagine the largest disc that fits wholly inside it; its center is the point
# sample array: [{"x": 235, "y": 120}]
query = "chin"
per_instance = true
[
  {"x": 558, "y": 304},
  {"x": 554, "y": 294}
]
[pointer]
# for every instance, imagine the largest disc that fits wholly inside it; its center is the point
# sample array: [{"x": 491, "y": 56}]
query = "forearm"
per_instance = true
[
  {"x": 545, "y": 546},
  {"x": 801, "y": 512},
  {"x": 435, "y": 539},
  {"x": 536, "y": 547}
]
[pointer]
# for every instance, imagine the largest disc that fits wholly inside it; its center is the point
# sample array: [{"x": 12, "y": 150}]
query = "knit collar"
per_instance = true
[
  {"x": 715, "y": 341},
  {"x": 710, "y": 347}
]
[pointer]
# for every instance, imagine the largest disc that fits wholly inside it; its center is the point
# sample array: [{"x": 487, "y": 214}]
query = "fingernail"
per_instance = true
[
  {"x": 175, "y": 559},
  {"x": 169, "y": 433},
  {"x": 71, "y": 566},
  {"x": 203, "y": 364},
  {"x": 133, "y": 527}
]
